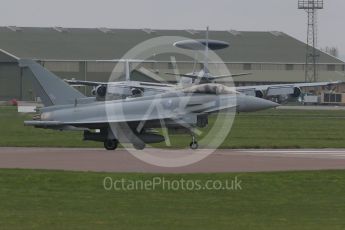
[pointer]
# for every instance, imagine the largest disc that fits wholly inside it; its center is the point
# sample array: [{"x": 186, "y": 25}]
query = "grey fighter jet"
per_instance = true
[{"x": 65, "y": 108}]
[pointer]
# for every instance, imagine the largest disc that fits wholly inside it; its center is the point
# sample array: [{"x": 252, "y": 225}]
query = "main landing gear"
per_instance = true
[
  {"x": 194, "y": 144},
  {"x": 111, "y": 144},
  {"x": 139, "y": 146}
]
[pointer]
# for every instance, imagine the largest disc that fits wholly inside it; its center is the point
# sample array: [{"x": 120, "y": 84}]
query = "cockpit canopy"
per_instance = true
[{"x": 211, "y": 88}]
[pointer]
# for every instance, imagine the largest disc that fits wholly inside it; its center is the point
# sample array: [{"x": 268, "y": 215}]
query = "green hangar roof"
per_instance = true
[{"x": 103, "y": 43}]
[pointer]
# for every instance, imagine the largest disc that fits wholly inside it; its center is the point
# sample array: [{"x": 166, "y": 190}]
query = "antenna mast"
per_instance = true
[
  {"x": 206, "y": 51},
  {"x": 311, "y": 7}
]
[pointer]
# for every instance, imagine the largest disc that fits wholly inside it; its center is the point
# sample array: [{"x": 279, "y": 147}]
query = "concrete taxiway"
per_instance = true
[{"x": 99, "y": 160}]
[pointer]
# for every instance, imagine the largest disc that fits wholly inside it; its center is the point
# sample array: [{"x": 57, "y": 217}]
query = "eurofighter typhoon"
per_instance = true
[{"x": 135, "y": 118}]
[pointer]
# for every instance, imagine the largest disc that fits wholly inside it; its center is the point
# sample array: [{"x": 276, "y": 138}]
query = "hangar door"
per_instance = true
[{"x": 9, "y": 81}]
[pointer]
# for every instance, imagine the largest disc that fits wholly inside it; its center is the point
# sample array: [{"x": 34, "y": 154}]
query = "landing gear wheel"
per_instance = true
[
  {"x": 139, "y": 146},
  {"x": 111, "y": 144},
  {"x": 194, "y": 145}
]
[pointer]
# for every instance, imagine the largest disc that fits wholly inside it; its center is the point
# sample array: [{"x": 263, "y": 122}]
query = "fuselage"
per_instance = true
[{"x": 172, "y": 105}]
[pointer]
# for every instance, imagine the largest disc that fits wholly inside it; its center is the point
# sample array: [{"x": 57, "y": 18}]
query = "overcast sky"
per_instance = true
[{"x": 253, "y": 15}]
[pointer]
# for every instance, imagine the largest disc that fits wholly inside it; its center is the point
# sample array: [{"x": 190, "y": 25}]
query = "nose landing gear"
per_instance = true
[{"x": 194, "y": 144}]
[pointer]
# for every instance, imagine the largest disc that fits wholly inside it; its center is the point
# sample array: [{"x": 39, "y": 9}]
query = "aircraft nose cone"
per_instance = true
[
  {"x": 266, "y": 104},
  {"x": 252, "y": 104}
]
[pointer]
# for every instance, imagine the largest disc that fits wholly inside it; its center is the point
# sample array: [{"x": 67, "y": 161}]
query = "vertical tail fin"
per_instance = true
[{"x": 50, "y": 88}]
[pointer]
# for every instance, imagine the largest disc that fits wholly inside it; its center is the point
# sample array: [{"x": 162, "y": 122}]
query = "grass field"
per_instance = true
[
  {"x": 266, "y": 129},
  {"x": 14, "y": 133},
  {"x": 71, "y": 200},
  {"x": 38, "y": 199}
]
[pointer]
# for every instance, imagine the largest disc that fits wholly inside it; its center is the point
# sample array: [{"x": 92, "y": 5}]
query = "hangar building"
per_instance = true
[{"x": 272, "y": 57}]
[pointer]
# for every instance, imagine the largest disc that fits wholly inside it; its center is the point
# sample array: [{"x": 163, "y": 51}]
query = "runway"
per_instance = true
[{"x": 99, "y": 160}]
